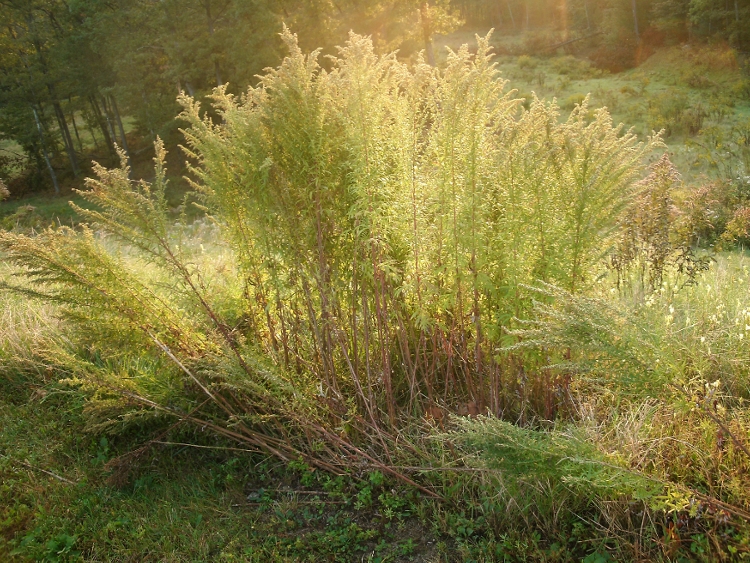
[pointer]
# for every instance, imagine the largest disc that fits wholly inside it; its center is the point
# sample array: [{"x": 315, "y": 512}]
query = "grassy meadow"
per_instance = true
[{"x": 462, "y": 325}]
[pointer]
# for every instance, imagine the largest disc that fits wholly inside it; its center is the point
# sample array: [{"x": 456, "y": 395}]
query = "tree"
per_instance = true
[{"x": 32, "y": 82}]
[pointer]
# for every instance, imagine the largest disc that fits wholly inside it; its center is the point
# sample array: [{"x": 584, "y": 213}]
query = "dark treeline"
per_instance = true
[{"x": 70, "y": 70}]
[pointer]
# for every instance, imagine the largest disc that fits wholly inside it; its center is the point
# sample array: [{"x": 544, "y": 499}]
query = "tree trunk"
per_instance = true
[
  {"x": 75, "y": 127},
  {"x": 44, "y": 151},
  {"x": 102, "y": 125},
  {"x": 108, "y": 119},
  {"x": 586, "y": 10},
  {"x": 726, "y": 16},
  {"x": 67, "y": 139},
  {"x": 123, "y": 139},
  {"x": 526, "y": 23},
  {"x": 210, "y": 20},
  {"x": 43, "y": 124},
  {"x": 217, "y": 71},
  {"x": 36, "y": 41},
  {"x": 75, "y": 130},
  {"x": 635, "y": 19},
  {"x": 512, "y": 19},
  {"x": 87, "y": 121},
  {"x": 148, "y": 114},
  {"x": 190, "y": 89}
]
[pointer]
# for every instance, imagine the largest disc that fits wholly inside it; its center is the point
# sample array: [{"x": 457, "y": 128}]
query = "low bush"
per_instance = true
[
  {"x": 569, "y": 65},
  {"x": 698, "y": 79},
  {"x": 619, "y": 54},
  {"x": 572, "y": 101},
  {"x": 693, "y": 118},
  {"x": 740, "y": 89},
  {"x": 526, "y": 62},
  {"x": 673, "y": 113}
]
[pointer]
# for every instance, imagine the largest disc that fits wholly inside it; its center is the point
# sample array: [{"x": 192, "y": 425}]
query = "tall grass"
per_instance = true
[{"x": 27, "y": 328}]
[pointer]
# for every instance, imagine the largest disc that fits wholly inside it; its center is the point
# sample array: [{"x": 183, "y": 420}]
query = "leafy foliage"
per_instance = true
[
  {"x": 656, "y": 233},
  {"x": 399, "y": 211}
]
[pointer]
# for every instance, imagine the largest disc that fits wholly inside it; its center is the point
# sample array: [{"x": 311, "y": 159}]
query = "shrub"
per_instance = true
[
  {"x": 572, "y": 101},
  {"x": 25, "y": 217},
  {"x": 673, "y": 113},
  {"x": 720, "y": 106},
  {"x": 659, "y": 384},
  {"x": 648, "y": 236},
  {"x": 705, "y": 211},
  {"x": 716, "y": 57},
  {"x": 738, "y": 228},
  {"x": 741, "y": 132},
  {"x": 740, "y": 89},
  {"x": 693, "y": 119},
  {"x": 665, "y": 111},
  {"x": 621, "y": 53},
  {"x": 606, "y": 98},
  {"x": 527, "y": 63},
  {"x": 538, "y": 42},
  {"x": 570, "y": 65},
  {"x": 11, "y": 166},
  {"x": 717, "y": 208},
  {"x": 697, "y": 79},
  {"x": 526, "y": 98}
]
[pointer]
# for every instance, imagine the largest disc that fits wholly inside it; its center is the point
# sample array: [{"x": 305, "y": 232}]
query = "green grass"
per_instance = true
[
  {"x": 58, "y": 501},
  {"x": 40, "y": 211},
  {"x": 191, "y": 504},
  {"x": 8, "y": 145},
  {"x": 12, "y": 158},
  {"x": 628, "y": 95},
  {"x": 179, "y": 504},
  {"x": 174, "y": 503}
]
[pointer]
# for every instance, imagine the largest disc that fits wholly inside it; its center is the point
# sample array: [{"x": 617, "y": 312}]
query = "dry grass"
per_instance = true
[{"x": 28, "y": 328}]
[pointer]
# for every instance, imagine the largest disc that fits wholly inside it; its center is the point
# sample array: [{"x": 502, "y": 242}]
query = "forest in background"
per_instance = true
[{"x": 78, "y": 76}]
